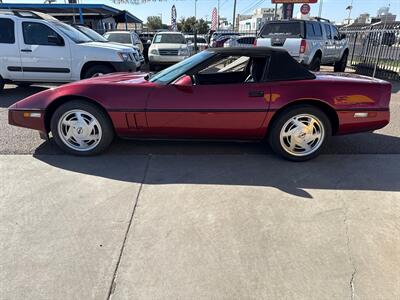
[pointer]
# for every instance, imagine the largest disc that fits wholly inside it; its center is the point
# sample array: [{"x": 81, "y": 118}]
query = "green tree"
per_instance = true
[
  {"x": 202, "y": 26},
  {"x": 154, "y": 22},
  {"x": 189, "y": 24}
]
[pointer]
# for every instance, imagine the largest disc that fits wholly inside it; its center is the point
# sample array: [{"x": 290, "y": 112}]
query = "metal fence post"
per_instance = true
[{"x": 354, "y": 48}]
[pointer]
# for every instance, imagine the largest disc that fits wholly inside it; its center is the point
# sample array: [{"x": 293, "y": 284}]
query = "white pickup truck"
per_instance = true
[
  {"x": 312, "y": 42},
  {"x": 37, "y": 48}
]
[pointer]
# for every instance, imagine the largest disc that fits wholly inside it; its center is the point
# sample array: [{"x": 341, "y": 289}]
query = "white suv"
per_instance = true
[
  {"x": 311, "y": 42},
  {"x": 167, "y": 48},
  {"x": 36, "y": 47}
]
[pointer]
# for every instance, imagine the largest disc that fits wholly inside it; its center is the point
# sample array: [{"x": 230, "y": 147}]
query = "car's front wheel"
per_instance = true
[
  {"x": 300, "y": 133},
  {"x": 81, "y": 128}
]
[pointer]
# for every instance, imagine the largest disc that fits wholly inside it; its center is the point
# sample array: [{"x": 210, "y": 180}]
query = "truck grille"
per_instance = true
[{"x": 168, "y": 52}]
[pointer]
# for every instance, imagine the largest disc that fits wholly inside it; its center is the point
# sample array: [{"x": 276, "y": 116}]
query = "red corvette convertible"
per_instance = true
[{"x": 229, "y": 93}]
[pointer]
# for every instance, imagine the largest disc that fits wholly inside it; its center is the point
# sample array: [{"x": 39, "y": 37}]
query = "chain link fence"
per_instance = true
[{"x": 375, "y": 50}]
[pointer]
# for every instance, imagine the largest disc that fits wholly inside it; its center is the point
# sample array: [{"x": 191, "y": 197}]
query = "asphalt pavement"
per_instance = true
[{"x": 199, "y": 220}]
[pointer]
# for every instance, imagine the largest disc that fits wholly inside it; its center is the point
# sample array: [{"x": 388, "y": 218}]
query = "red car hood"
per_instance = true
[
  {"x": 109, "y": 90},
  {"x": 137, "y": 77}
]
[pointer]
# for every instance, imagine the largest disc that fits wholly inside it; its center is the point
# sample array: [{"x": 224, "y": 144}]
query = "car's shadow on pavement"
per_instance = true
[{"x": 233, "y": 164}]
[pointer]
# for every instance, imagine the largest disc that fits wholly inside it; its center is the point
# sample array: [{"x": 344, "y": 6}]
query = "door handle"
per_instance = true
[
  {"x": 26, "y": 50},
  {"x": 256, "y": 94}
]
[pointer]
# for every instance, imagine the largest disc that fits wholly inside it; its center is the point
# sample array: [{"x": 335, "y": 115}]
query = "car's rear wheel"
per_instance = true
[
  {"x": 315, "y": 64},
  {"x": 97, "y": 70},
  {"x": 81, "y": 128},
  {"x": 340, "y": 66},
  {"x": 300, "y": 133}
]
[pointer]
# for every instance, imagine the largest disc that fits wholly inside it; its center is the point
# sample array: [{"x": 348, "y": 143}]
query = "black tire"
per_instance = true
[
  {"x": 315, "y": 64},
  {"x": 2, "y": 83},
  {"x": 23, "y": 84},
  {"x": 152, "y": 67},
  {"x": 97, "y": 70},
  {"x": 340, "y": 66},
  {"x": 274, "y": 132},
  {"x": 102, "y": 118}
]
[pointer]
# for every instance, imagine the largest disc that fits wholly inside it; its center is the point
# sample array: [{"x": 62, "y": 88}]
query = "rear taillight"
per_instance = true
[
  {"x": 255, "y": 43},
  {"x": 303, "y": 46}
]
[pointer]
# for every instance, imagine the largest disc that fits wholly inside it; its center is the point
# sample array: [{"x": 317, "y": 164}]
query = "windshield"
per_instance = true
[
  {"x": 91, "y": 34},
  {"x": 200, "y": 40},
  {"x": 72, "y": 33},
  {"x": 173, "y": 72},
  {"x": 169, "y": 39},
  {"x": 281, "y": 28},
  {"x": 119, "y": 37}
]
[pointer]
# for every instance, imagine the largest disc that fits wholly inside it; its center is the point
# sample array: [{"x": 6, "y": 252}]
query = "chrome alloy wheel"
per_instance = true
[
  {"x": 302, "y": 135},
  {"x": 79, "y": 130}
]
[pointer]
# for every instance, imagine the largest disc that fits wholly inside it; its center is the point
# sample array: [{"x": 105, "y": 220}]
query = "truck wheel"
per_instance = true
[
  {"x": 1, "y": 83},
  {"x": 97, "y": 70},
  {"x": 152, "y": 67},
  {"x": 23, "y": 84},
  {"x": 340, "y": 66},
  {"x": 81, "y": 128},
  {"x": 315, "y": 64},
  {"x": 300, "y": 132}
]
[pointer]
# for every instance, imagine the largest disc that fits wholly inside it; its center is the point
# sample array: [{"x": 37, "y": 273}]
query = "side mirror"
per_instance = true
[
  {"x": 55, "y": 40},
  {"x": 148, "y": 41},
  {"x": 342, "y": 36}
]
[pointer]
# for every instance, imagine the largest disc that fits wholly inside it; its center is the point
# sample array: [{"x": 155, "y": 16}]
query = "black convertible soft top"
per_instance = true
[{"x": 282, "y": 66}]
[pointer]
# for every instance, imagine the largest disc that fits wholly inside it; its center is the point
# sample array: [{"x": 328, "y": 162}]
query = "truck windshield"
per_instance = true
[
  {"x": 286, "y": 29},
  {"x": 91, "y": 34},
  {"x": 169, "y": 39},
  {"x": 74, "y": 34},
  {"x": 177, "y": 70},
  {"x": 119, "y": 37}
]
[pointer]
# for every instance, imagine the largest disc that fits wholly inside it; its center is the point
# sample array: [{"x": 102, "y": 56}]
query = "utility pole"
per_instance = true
[
  {"x": 195, "y": 9},
  {"x": 320, "y": 8},
  {"x": 234, "y": 15}
]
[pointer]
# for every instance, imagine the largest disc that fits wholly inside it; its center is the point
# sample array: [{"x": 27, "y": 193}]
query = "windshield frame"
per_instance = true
[
  {"x": 172, "y": 73},
  {"x": 97, "y": 36},
  {"x": 63, "y": 28}
]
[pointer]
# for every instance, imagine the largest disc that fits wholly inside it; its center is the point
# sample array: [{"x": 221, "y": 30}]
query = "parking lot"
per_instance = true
[{"x": 199, "y": 220}]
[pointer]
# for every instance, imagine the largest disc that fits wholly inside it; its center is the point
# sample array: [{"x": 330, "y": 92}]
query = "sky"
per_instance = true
[{"x": 335, "y": 10}]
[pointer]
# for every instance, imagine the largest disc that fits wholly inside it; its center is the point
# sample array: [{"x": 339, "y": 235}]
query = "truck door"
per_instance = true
[
  {"x": 329, "y": 45},
  {"x": 45, "y": 55},
  {"x": 10, "y": 59}
]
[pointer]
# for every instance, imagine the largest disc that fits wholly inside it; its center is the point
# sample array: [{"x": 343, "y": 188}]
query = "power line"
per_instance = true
[{"x": 251, "y": 7}]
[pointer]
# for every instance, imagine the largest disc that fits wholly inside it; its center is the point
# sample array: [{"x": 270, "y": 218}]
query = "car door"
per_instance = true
[
  {"x": 10, "y": 59},
  {"x": 45, "y": 54},
  {"x": 218, "y": 110}
]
